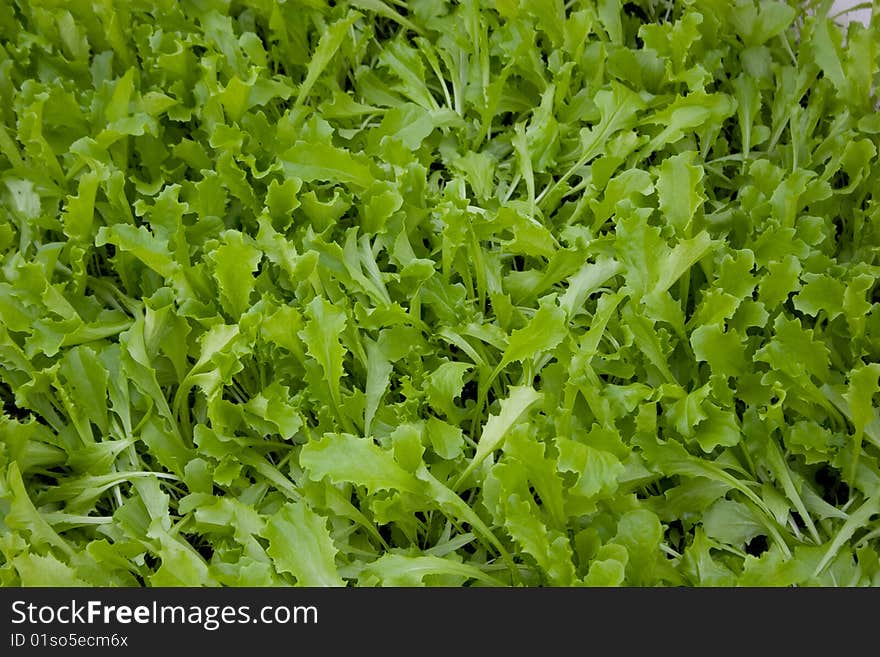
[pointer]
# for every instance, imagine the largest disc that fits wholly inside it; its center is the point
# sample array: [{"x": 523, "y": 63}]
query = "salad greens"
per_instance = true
[{"x": 385, "y": 292}]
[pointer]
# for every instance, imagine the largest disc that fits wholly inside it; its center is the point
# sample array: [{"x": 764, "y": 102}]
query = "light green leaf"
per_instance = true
[{"x": 300, "y": 544}]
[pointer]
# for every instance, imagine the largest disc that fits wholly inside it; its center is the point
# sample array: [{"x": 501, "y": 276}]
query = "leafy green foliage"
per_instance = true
[{"x": 438, "y": 293}]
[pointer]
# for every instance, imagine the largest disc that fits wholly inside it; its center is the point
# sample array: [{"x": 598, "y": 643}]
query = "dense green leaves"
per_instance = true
[{"x": 438, "y": 293}]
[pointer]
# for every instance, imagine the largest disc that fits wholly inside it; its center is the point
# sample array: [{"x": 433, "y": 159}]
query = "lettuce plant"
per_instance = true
[{"x": 473, "y": 293}]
